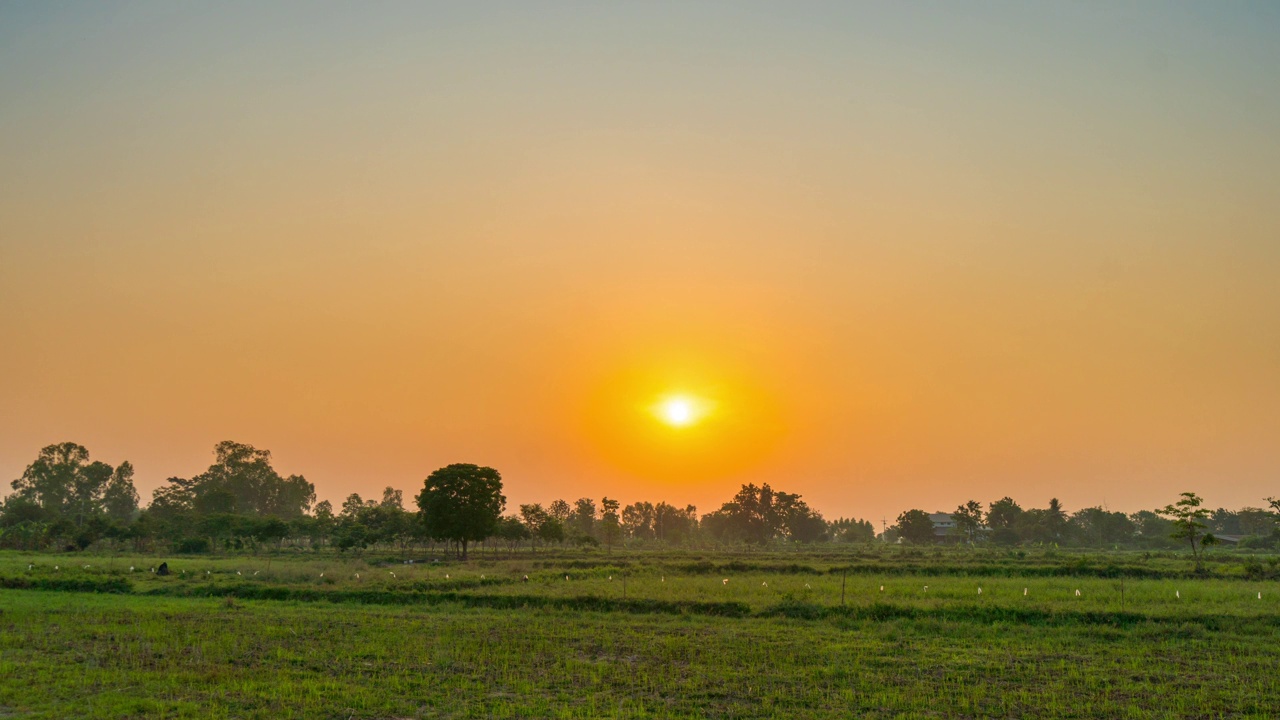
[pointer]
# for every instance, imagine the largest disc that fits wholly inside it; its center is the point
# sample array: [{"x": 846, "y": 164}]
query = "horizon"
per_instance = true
[{"x": 874, "y": 255}]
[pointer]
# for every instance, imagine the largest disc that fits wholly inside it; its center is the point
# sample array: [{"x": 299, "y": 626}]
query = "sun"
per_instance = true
[{"x": 681, "y": 410}]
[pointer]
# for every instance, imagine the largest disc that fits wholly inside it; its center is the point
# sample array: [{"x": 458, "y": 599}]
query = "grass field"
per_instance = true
[{"x": 270, "y": 637}]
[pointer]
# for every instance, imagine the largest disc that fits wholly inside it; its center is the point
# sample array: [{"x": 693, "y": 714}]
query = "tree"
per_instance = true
[
  {"x": 64, "y": 482},
  {"x": 968, "y": 521},
  {"x": 392, "y": 498},
  {"x": 1188, "y": 524},
  {"x": 852, "y": 530},
  {"x": 637, "y": 520},
  {"x": 352, "y": 505},
  {"x": 610, "y": 527},
  {"x": 511, "y": 531},
  {"x": 560, "y": 510},
  {"x": 551, "y": 531},
  {"x": 120, "y": 498},
  {"x": 1151, "y": 529},
  {"x": 1003, "y": 513},
  {"x": 671, "y": 524},
  {"x": 1003, "y": 518},
  {"x": 914, "y": 526},
  {"x": 462, "y": 503},
  {"x": 534, "y": 517},
  {"x": 584, "y": 516},
  {"x": 241, "y": 480},
  {"x": 1101, "y": 527}
]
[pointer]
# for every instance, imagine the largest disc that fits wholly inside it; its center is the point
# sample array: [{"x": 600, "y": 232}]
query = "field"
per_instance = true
[{"x": 933, "y": 634}]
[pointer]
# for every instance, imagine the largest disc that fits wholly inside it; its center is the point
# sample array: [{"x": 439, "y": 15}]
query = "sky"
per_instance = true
[{"x": 903, "y": 255}]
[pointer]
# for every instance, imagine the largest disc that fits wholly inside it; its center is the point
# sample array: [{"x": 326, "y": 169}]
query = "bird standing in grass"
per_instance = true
[
  {"x": 1077, "y": 593},
  {"x": 724, "y": 581}
]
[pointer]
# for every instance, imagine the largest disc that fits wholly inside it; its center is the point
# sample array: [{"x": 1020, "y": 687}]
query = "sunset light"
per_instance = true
[
  {"x": 613, "y": 358},
  {"x": 681, "y": 410}
]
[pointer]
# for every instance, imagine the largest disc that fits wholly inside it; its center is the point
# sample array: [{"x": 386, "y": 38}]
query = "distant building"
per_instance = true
[{"x": 943, "y": 524}]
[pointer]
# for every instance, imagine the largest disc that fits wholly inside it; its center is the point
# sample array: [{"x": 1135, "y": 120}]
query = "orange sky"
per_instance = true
[{"x": 914, "y": 254}]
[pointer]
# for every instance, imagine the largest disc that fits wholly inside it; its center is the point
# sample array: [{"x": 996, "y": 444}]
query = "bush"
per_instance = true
[{"x": 192, "y": 546}]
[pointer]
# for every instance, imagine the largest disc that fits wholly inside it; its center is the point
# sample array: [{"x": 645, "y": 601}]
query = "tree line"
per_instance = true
[{"x": 64, "y": 500}]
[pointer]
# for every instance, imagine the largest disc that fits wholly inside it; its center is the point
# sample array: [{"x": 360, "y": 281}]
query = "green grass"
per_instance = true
[{"x": 288, "y": 643}]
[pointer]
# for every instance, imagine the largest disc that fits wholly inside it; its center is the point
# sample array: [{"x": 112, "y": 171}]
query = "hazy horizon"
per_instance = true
[{"x": 909, "y": 254}]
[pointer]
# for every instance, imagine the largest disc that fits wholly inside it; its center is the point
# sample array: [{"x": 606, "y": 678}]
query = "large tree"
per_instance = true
[
  {"x": 64, "y": 483},
  {"x": 969, "y": 521},
  {"x": 120, "y": 498},
  {"x": 241, "y": 480},
  {"x": 461, "y": 503},
  {"x": 914, "y": 526}
]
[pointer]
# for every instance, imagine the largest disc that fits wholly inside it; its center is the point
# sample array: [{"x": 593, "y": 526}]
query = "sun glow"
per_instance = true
[{"x": 681, "y": 410}]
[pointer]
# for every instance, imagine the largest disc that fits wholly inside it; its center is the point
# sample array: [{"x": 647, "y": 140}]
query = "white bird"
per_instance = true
[
  {"x": 764, "y": 584},
  {"x": 206, "y": 572},
  {"x": 1259, "y": 596},
  {"x": 321, "y": 574},
  {"x": 130, "y": 568},
  {"x": 926, "y": 588},
  {"x": 526, "y": 578},
  {"x": 881, "y": 588},
  {"x": 446, "y": 576},
  {"x": 725, "y": 581},
  {"x": 664, "y": 578},
  {"x": 357, "y": 576},
  {"x": 55, "y": 567},
  {"x": 979, "y": 591},
  {"x": 1024, "y": 592},
  {"x": 1177, "y": 594},
  {"x": 239, "y": 573},
  {"x": 806, "y": 586},
  {"x": 610, "y": 577},
  {"x": 31, "y": 567},
  {"x": 482, "y": 576},
  {"x": 566, "y": 577},
  {"x": 1077, "y": 593},
  {"x": 392, "y": 574},
  {"x": 255, "y": 572},
  {"x": 86, "y": 567}
]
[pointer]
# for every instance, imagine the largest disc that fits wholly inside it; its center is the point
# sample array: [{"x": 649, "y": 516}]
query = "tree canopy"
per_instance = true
[{"x": 461, "y": 503}]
